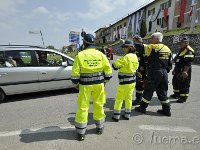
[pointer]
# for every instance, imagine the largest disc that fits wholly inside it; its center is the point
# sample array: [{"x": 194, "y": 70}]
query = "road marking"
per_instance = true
[
  {"x": 36, "y": 130},
  {"x": 167, "y": 128}
]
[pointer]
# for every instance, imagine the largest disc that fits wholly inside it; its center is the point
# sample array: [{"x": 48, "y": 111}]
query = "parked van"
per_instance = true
[{"x": 25, "y": 69}]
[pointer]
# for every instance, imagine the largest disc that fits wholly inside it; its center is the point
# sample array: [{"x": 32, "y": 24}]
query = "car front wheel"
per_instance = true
[{"x": 2, "y": 95}]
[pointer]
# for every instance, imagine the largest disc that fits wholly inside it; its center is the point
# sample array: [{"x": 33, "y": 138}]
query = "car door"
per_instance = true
[
  {"x": 21, "y": 78},
  {"x": 52, "y": 74}
]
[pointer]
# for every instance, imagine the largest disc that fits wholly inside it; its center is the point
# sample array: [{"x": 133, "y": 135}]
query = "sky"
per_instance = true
[{"x": 56, "y": 18}]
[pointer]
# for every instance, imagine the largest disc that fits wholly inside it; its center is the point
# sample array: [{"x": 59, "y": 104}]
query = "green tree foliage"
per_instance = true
[
  {"x": 51, "y": 47},
  {"x": 143, "y": 29}
]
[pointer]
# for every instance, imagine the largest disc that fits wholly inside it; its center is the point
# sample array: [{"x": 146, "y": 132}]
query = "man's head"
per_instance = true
[
  {"x": 156, "y": 38},
  {"x": 128, "y": 46},
  {"x": 88, "y": 39},
  {"x": 137, "y": 39},
  {"x": 183, "y": 42},
  {"x": 43, "y": 56}
]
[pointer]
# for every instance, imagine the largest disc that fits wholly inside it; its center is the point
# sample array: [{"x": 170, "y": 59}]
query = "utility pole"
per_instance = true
[
  {"x": 42, "y": 37},
  {"x": 194, "y": 10}
]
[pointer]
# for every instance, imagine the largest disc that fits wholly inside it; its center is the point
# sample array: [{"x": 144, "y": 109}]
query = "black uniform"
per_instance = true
[
  {"x": 181, "y": 86},
  {"x": 141, "y": 73},
  {"x": 159, "y": 65}
]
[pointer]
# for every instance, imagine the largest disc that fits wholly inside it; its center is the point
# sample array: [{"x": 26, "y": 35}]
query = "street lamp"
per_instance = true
[{"x": 38, "y": 32}]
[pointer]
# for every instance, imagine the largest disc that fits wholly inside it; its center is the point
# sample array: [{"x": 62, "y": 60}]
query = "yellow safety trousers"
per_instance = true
[
  {"x": 99, "y": 98},
  {"x": 124, "y": 93}
]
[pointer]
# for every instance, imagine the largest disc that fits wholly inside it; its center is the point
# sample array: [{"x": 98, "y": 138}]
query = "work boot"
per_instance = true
[
  {"x": 140, "y": 109},
  {"x": 114, "y": 119},
  {"x": 181, "y": 100},
  {"x": 164, "y": 112},
  {"x": 125, "y": 117},
  {"x": 81, "y": 137},
  {"x": 99, "y": 131},
  {"x": 174, "y": 96}
]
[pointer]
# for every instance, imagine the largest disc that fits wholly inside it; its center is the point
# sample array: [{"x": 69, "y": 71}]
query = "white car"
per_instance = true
[{"x": 25, "y": 69}]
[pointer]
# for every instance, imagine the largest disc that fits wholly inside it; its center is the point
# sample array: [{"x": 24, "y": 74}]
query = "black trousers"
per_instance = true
[
  {"x": 156, "y": 80},
  {"x": 181, "y": 86}
]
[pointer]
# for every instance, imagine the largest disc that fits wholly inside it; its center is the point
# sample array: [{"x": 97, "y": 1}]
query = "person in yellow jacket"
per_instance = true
[
  {"x": 90, "y": 71},
  {"x": 127, "y": 66}
]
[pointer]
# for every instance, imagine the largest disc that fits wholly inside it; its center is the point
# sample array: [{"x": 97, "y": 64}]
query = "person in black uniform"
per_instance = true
[
  {"x": 141, "y": 72},
  {"x": 182, "y": 70},
  {"x": 158, "y": 66}
]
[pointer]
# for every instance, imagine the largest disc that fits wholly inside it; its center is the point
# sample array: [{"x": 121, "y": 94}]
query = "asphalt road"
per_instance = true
[{"x": 45, "y": 121}]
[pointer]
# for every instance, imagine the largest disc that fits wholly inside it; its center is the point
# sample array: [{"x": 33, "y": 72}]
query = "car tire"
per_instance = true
[{"x": 2, "y": 96}]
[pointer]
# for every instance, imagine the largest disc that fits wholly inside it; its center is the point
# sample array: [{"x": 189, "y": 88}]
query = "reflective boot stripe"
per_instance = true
[
  {"x": 99, "y": 123},
  {"x": 117, "y": 114}
]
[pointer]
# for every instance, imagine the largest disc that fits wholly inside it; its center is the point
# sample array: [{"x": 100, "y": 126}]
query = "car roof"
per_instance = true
[{"x": 29, "y": 48}]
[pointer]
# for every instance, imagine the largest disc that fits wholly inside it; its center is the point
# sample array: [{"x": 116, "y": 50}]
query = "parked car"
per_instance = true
[{"x": 25, "y": 69}]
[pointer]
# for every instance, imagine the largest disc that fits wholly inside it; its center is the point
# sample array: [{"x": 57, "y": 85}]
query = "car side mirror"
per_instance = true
[{"x": 65, "y": 64}]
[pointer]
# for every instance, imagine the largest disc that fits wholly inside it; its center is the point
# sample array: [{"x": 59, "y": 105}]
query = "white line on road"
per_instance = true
[
  {"x": 36, "y": 130},
  {"x": 167, "y": 128}
]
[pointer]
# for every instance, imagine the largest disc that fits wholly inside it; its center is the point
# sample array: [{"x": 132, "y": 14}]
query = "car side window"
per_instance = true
[
  {"x": 18, "y": 58},
  {"x": 2, "y": 59},
  {"x": 50, "y": 59},
  {"x": 70, "y": 62}
]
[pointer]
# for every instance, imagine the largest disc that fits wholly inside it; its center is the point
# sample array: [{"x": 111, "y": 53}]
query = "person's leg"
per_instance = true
[
  {"x": 81, "y": 118},
  {"x": 139, "y": 91},
  {"x": 128, "y": 100},
  {"x": 175, "y": 87},
  {"x": 99, "y": 98},
  {"x": 118, "y": 102},
  {"x": 184, "y": 86},
  {"x": 147, "y": 95},
  {"x": 162, "y": 94}
]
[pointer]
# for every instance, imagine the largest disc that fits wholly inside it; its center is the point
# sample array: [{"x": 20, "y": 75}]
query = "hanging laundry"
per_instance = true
[{"x": 182, "y": 11}]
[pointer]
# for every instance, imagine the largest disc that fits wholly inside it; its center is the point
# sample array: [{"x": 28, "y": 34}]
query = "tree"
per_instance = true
[
  {"x": 51, "y": 47},
  {"x": 143, "y": 29}
]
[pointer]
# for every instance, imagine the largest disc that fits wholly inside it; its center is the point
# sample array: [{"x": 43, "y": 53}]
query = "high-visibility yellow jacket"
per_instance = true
[
  {"x": 127, "y": 66},
  {"x": 91, "y": 67}
]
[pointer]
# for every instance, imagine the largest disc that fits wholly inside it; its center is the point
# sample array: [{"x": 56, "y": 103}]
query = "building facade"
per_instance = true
[{"x": 159, "y": 15}]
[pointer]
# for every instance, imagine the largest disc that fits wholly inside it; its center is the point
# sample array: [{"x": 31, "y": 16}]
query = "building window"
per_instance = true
[
  {"x": 169, "y": 3},
  {"x": 159, "y": 21},
  {"x": 153, "y": 11},
  {"x": 164, "y": 23},
  {"x": 149, "y": 12}
]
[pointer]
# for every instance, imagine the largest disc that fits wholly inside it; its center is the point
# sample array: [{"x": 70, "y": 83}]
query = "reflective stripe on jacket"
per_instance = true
[
  {"x": 91, "y": 67},
  {"x": 127, "y": 66}
]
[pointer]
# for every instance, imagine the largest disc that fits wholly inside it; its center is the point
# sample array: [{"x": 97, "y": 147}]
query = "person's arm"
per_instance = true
[
  {"x": 75, "y": 71},
  {"x": 107, "y": 70},
  {"x": 189, "y": 57},
  {"x": 14, "y": 63}
]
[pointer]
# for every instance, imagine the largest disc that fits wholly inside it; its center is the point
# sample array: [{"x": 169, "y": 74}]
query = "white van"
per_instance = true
[{"x": 25, "y": 69}]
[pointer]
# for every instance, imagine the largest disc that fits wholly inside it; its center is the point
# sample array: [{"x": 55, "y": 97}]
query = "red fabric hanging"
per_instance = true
[
  {"x": 182, "y": 10},
  {"x": 165, "y": 14}
]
